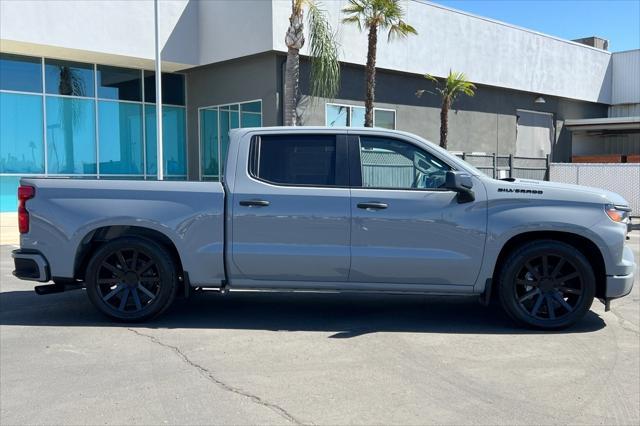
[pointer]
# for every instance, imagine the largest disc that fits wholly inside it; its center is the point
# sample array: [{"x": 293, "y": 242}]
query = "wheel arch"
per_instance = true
[
  {"x": 102, "y": 235},
  {"x": 584, "y": 245}
]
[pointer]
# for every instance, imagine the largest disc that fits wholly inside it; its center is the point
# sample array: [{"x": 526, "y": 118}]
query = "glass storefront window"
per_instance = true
[
  {"x": 69, "y": 78},
  {"x": 215, "y": 123},
  {"x": 172, "y": 88},
  {"x": 357, "y": 117},
  {"x": 337, "y": 115},
  {"x": 209, "y": 142},
  {"x": 384, "y": 118},
  {"x": 120, "y": 133},
  {"x": 71, "y": 136},
  {"x": 20, "y": 73},
  {"x": 21, "y": 134},
  {"x": 173, "y": 140},
  {"x": 121, "y": 84},
  {"x": 353, "y": 116},
  {"x": 49, "y": 123},
  {"x": 255, "y": 107}
]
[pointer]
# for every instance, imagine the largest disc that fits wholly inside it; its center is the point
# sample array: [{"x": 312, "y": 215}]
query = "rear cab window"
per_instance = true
[{"x": 298, "y": 160}]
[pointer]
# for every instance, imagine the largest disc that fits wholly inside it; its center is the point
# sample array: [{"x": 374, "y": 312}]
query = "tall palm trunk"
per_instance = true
[
  {"x": 444, "y": 121},
  {"x": 371, "y": 76},
  {"x": 294, "y": 41},
  {"x": 292, "y": 73}
]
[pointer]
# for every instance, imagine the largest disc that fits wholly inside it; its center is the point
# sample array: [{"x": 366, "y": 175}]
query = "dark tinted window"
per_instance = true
[
  {"x": 172, "y": 88},
  {"x": 68, "y": 78},
  {"x": 119, "y": 83},
  {"x": 295, "y": 159},
  {"x": 20, "y": 73}
]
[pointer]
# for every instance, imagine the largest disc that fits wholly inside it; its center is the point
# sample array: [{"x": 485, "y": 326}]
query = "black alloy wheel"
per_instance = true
[
  {"x": 131, "y": 279},
  {"x": 547, "y": 285}
]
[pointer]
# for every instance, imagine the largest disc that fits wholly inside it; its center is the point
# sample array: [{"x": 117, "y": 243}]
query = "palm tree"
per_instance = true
[
  {"x": 375, "y": 15},
  {"x": 323, "y": 49},
  {"x": 455, "y": 84}
]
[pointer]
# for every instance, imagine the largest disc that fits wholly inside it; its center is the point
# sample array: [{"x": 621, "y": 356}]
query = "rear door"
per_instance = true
[
  {"x": 291, "y": 212},
  {"x": 406, "y": 229}
]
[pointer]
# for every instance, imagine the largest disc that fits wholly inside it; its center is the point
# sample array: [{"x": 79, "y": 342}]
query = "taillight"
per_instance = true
[{"x": 24, "y": 193}]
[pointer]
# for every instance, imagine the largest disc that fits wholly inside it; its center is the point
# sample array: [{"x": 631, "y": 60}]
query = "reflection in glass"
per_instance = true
[
  {"x": 251, "y": 120},
  {"x": 68, "y": 78},
  {"x": 337, "y": 115},
  {"x": 172, "y": 88},
  {"x": 21, "y": 136},
  {"x": 209, "y": 141},
  {"x": 71, "y": 136},
  {"x": 228, "y": 120},
  {"x": 119, "y": 83},
  {"x": 357, "y": 117},
  {"x": 8, "y": 191},
  {"x": 173, "y": 140},
  {"x": 252, "y": 107},
  {"x": 120, "y": 132},
  {"x": 20, "y": 73},
  {"x": 384, "y": 119}
]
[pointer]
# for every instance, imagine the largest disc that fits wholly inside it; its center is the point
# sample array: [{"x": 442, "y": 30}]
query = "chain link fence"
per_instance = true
[{"x": 623, "y": 179}]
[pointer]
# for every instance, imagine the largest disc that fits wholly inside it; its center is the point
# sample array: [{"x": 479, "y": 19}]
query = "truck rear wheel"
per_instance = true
[
  {"x": 547, "y": 285},
  {"x": 131, "y": 279}
]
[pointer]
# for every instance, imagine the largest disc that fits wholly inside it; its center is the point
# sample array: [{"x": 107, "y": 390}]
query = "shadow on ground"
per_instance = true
[{"x": 345, "y": 315}]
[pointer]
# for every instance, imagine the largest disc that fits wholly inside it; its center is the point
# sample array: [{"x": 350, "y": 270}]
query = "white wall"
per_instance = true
[
  {"x": 231, "y": 29},
  {"x": 119, "y": 32},
  {"x": 202, "y": 32},
  {"x": 626, "y": 77},
  {"x": 489, "y": 52}
]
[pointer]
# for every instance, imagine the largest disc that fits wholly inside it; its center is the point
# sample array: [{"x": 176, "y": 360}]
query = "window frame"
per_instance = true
[
  {"x": 342, "y": 172},
  {"x": 208, "y": 177},
  {"x": 355, "y": 163},
  {"x": 350, "y": 114}
]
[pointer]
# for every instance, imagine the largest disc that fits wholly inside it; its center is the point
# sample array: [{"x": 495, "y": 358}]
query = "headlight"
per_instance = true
[{"x": 617, "y": 213}]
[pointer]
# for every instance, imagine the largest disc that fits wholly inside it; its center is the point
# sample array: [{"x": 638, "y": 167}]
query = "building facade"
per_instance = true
[{"x": 77, "y": 95}]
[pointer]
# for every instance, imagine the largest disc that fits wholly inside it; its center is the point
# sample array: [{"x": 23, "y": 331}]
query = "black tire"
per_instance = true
[
  {"x": 546, "y": 284},
  {"x": 131, "y": 279}
]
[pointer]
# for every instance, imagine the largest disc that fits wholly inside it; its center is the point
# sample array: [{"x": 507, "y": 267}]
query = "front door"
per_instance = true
[
  {"x": 291, "y": 213},
  {"x": 405, "y": 228}
]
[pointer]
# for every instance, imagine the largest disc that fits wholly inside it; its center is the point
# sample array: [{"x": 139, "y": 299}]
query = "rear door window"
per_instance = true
[{"x": 304, "y": 160}]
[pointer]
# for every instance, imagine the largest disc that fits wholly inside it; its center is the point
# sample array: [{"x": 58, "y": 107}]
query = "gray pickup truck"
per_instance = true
[{"x": 319, "y": 209}]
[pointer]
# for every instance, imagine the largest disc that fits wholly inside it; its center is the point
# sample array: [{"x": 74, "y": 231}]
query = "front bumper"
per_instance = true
[
  {"x": 30, "y": 265},
  {"x": 621, "y": 285}
]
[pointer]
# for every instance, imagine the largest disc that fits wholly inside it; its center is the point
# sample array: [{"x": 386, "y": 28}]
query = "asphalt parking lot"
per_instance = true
[{"x": 311, "y": 359}]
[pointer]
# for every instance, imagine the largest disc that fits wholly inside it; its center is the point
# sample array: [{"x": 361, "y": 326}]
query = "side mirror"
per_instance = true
[{"x": 461, "y": 183}]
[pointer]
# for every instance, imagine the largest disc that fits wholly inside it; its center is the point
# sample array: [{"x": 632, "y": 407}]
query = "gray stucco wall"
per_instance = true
[
  {"x": 486, "y": 122},
  {"x": 249, "y": 78}
]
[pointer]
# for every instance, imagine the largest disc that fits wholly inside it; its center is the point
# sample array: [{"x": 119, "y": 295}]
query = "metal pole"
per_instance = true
[{"x": 160, "y": 161}]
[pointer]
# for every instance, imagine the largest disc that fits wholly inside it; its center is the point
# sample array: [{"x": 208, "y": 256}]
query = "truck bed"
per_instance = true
[{"x": 67, "y": 213}]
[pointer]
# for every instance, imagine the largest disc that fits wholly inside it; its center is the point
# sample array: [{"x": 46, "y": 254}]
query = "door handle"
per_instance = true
[
  {"x": 373, "y": 206},
  {"x": 254, "y": 203}
]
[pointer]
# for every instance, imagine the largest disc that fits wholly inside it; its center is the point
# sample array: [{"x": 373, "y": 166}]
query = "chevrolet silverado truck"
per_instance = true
[{"x": 329, "y": 210}]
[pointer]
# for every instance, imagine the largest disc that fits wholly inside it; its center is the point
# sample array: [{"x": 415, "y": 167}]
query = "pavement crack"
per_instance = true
[{"x": 209, "y": 376}]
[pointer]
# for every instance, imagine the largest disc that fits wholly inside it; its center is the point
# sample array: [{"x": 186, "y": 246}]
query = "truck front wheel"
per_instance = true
[
  {"x": 131, "y": 279},
  {"x": 546, "y": 285}
]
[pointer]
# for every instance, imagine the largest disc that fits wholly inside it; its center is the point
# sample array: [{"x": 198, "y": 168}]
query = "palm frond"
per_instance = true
[{"x": 323, "y": 49}]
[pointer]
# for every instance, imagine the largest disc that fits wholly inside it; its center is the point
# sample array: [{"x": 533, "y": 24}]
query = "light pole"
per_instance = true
[{"x": 160, "y": 161}]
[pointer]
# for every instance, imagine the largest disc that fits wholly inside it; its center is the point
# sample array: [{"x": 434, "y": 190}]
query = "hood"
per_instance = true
[{"x": 567, "y": 191}]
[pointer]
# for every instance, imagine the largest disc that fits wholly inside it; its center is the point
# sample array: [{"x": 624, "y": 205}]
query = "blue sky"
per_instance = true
[{"x": 615, "y": 20}]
